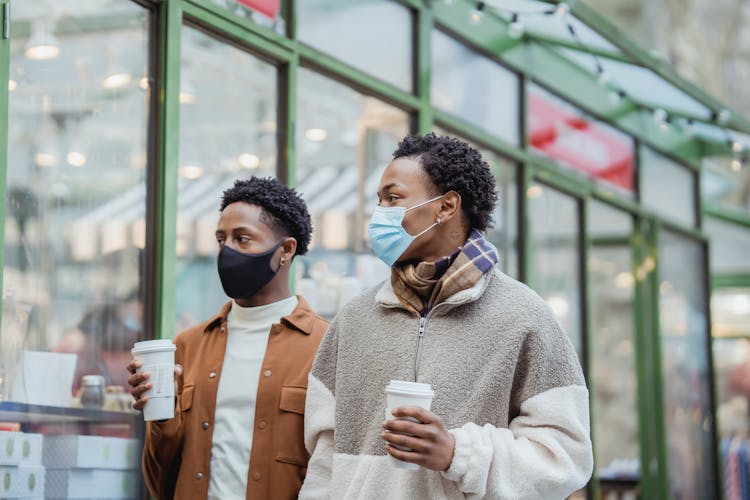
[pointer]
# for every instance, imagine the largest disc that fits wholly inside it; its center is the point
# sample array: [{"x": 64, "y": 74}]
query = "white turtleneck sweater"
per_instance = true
[{"x": 248, "y": 329}]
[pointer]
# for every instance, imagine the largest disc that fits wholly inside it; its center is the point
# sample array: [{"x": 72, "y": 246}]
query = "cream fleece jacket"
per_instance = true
[{"x": 507, "y": 383}]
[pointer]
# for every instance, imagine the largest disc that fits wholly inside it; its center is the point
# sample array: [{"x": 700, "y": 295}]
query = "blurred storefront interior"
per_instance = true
[{"x": 624, "y": 201}]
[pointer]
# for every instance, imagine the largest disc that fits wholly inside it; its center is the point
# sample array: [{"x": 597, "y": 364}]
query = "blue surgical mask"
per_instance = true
[{"x": 388, "y": 238}]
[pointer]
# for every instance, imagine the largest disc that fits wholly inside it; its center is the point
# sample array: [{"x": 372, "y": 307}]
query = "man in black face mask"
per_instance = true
[{"x": 242, "y": 375}]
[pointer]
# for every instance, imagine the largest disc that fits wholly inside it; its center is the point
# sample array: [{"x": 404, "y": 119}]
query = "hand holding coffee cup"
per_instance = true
[
  {"x": 154, "y": 378},
  {"x": 414, "y": 435}
]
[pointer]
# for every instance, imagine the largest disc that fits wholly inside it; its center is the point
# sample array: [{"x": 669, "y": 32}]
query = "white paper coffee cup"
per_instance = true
[
  {"x": 401, "y": 393},
  {"x": 157, "y": 359}
]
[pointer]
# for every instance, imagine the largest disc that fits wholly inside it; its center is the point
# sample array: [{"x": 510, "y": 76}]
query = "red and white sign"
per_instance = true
[
  {"x": 268, "y": 8},
  {"x": 579, "y": 142}
]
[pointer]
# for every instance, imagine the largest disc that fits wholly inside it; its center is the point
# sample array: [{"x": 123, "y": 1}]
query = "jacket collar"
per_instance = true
[
  {"x": 386, "y": 297},
  {"x": 302, "y": 318}
]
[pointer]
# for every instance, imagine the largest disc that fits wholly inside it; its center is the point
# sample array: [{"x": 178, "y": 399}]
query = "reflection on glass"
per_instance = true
[
  {"x": 732, "y": 371},
  {"x": 564, "y": 133},
  {"x": 228, "y": 106},
  {"x": 730, "y": 244},
  {"x": 555, "y": 251},
  {"x": 75, "y": 203},
  {"x": 725, "y": 181},
  {"x": 504, "y": 235},
  {"x": 344, "y": 142},
  {"x": 371, "y": 35},
  {"x": 474, "y": 88},
  {"x": 666, "y": 187},
  {"x": 684, "y": 344},
  {"x": 613, "y": 363},
  {"x": 266, "y": 13}
]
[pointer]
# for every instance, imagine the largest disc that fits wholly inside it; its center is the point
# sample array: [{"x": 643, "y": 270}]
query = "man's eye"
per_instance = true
[{"x": 243, "y": 239}]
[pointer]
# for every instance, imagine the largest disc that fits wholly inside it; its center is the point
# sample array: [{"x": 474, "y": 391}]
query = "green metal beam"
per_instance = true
[
  {"x": 163, "y": 233},
  {"x": 4, "y": 111},
  {"x": 424, "y": 24},
  {"x": 570, "y": 44}
]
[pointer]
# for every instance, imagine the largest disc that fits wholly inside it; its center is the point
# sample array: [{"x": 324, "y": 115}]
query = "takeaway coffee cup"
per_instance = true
[
  {"x": 157, "y": 359},
  {"x": 400, "y": 393}
]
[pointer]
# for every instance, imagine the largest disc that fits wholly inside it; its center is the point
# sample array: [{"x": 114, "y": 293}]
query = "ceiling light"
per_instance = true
[
  {"x": 534, "y": 192},
  {"x": 45, "y": 159},
  {"x": 76, "y": 159},
  {"x": 562, "y": 9},
  {"x": 187, "y": 98},
  {"x": 143, "y": 83},
  {"x": 42, "y": 44},
  {"x": 12, "y": 85},
  {"x": 116, "y": 80},
  {"x": 191, "y": 171},
  {"x": 248, "y": 160},
  {"x": 316, "y": 134},
  {"x": 476, "y": 14},
  {"x": 736, "y": 165}
]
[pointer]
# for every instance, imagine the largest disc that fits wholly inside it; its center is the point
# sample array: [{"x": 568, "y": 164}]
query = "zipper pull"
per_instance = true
[{"x": 422, "y": 323}]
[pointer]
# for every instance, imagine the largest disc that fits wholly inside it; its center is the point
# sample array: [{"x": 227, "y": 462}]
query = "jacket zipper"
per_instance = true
[{"x": 422, "y": 324}]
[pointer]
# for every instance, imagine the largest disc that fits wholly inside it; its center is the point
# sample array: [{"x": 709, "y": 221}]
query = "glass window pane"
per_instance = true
[
  {"x": 228, "y": 107},
  {"x": 726, "y": 182},
  {"x": 730, "y": 245},
  {"x": 474, "y": 88},
  {"x": 684, "y": 344},
  {"x": 666, "y": 187},
  {"x": 375, "y": 36},
  {"x": 75, "y": 208},
  {"x": 732, "y": 369},
  {"x": 505, "y": 233},
  {"x": 344, "y": 142},
  {"x": 555, "y": 250},
  {"x": 613, "y": 363},
  {"x": 561, "y": 131}
]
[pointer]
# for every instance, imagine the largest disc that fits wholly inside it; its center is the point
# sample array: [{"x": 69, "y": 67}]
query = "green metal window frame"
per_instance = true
[{"x": 289, "y": 54}]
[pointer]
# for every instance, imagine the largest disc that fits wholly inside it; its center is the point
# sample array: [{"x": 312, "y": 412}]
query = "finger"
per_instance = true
[
  {"x": 138, "y": 391},
  {"x": 140, "y": 403},
  {"x": 424, "y": 431},
  {"x": 406, "y": 456},
  {"x": 133, "y": 366},
  {"x": 177, "y": 370},
  {"x": 424, "y": 416},
  {"x": 138, "y": 379},
  {"x": 417, "y": 445}
]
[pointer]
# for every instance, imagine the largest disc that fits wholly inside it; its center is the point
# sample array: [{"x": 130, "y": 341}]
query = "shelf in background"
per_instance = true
[{"x": 38, "y": 414}]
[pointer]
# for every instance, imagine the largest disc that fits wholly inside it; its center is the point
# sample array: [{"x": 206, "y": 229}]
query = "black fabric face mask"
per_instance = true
[{"x": 243, "y": 274}]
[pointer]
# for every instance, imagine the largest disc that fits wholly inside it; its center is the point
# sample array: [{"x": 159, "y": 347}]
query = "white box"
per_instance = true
[
  {"x": 21, "y": 481},
  {"x": 91, "y": 452},
  {"x": 20, "y": 448},
  {"x": 91, "y": 483}
]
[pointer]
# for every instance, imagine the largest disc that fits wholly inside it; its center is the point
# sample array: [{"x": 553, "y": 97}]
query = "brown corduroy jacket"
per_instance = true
[{"x": 177, "y": 452}]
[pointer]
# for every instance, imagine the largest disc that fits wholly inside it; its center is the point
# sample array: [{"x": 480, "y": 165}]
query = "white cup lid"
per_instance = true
[
  {"x": 153, "y": 346},
  {"x": 409, "y": 388}
]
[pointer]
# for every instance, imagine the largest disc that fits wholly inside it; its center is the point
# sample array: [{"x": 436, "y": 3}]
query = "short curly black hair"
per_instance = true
[
  {"x": 283, "y": 209},
  {"x": 453, "y": 165}
]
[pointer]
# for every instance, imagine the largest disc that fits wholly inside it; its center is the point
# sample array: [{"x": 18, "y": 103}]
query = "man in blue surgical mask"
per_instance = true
[
  {"x": 242, "y": 375},
  {"x": 510, "y": 416}
]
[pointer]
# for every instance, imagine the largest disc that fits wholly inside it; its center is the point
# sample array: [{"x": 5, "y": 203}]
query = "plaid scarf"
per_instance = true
[{"x": 421, "y": 286}]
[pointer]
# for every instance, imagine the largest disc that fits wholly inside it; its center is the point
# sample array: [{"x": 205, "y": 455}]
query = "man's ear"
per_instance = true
[
  {"x": 450, "y": 206},
  {"x": 288, "y": 250}
]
